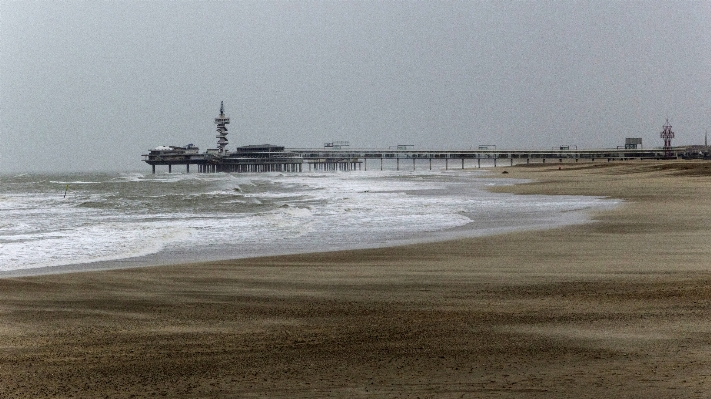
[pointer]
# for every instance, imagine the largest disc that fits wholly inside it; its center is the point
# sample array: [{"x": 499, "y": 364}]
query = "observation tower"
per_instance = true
[
  {"x": 221, "y": 121},
  {"x": 667, "y": 135}
]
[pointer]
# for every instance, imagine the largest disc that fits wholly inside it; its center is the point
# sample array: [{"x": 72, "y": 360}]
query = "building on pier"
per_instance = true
[
  {"x": 260, "y": 158},
  {"x": 251, "y": 158}
]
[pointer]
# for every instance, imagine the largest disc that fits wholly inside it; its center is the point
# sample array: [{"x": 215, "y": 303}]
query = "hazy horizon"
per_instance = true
[{"x": 90, "y": 86}]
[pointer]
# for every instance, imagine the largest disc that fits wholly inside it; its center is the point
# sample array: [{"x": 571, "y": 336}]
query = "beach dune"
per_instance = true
[{"x": 618, "y": 307}]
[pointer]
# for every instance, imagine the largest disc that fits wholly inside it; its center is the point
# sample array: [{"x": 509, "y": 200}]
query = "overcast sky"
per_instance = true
[{"x": 93, "y": 85}]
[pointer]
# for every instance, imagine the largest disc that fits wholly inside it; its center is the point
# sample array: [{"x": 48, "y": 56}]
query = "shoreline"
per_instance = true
[
  {"x": 476, "y": 227},
  {"x": 614, "y": 308},
  {"x": 580, "y": 217}
]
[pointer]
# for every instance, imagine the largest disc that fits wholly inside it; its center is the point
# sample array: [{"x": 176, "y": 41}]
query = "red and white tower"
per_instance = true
[
  {"x": 221, "y": 121},
  {"x": 667, "y": 135}
]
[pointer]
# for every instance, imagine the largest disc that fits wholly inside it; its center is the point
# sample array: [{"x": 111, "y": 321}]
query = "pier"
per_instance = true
[
  {"x": 334, "y": 157},
  {"x": 267, "y": 158}
]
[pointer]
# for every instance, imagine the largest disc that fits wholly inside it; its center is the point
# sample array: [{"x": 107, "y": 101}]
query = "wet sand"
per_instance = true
[{"x": 616, "y": 308}]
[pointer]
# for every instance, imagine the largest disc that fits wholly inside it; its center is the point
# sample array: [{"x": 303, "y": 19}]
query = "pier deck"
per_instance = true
[{"x": 356, "y": 159}]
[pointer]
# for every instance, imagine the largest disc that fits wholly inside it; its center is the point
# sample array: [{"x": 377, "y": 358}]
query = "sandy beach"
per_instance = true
[{"x": 619, "y": 307}]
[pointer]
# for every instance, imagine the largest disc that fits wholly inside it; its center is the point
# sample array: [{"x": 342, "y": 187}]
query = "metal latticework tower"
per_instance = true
[
  {"x": 221, "y": 121},
  {"x": 667, "y": 135}
]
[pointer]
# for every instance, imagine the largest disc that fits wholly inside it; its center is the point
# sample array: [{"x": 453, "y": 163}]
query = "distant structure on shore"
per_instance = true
[{"x": 698, "y": 151}]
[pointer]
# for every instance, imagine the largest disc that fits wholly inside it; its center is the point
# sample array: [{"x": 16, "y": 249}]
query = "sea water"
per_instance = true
[{"x": 64, "y": 222}]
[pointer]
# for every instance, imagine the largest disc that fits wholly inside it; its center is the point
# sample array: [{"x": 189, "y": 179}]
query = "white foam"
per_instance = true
[
  {"x": 109, "y": 241},
  {"x": 75, "y": 182},
  {"x": 266, "y": 214}
]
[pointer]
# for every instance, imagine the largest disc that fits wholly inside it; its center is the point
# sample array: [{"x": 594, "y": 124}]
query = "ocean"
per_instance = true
[{"x": 68, "y": 222}]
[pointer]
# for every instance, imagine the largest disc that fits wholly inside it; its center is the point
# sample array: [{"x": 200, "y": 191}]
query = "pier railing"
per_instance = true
[
  {"x": 291, "y": 159},
  {"x": 310, "y": 153}
]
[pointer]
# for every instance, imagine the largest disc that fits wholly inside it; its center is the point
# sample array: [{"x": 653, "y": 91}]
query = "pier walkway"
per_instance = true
[
  {"x": 459, "y": 158},
  {"x": 327, "y": 159}
]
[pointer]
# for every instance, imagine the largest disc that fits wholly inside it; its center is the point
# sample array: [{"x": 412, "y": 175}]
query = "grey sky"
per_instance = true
[{"x": 93, "y": 85}]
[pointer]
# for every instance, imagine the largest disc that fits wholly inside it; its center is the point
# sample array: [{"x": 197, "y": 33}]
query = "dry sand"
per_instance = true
[{"x": 617, "y": 308}]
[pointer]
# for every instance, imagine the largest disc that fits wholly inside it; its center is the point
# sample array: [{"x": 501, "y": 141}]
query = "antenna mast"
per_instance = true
[{"x": 667, "y": 135}]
